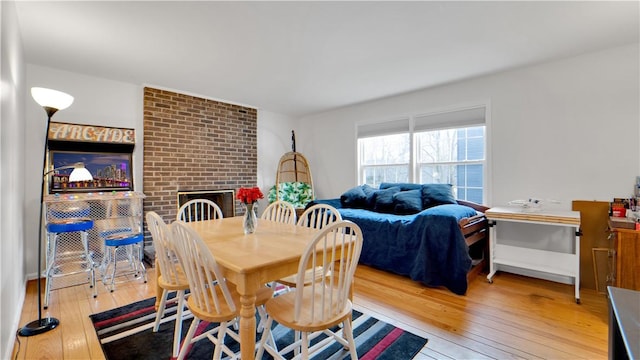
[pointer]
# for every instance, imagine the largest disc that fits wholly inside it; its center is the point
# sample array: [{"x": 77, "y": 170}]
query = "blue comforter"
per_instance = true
[{"x": 427, "y": 246}]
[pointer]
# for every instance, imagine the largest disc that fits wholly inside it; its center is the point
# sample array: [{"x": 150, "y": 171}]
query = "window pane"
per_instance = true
[
  {"x": 450, "y": 145},
  {"x": 474, "y": 195},
  {"x": 474, "y": 175},
  {"x": 475, "y": 131},
  {"x": 462, "y": 175},
  {"x": 437, "y": 146},
  {"x": 461, "y": 193},
  {"x": 380, "y": 150},
  {"x": 475, "y": 149},
  {"x": 375, "y": 175},
  {"x": 439, "y": 174}
]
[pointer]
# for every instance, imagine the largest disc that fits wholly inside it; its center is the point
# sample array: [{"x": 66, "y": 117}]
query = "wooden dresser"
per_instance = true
[{"x": 627, "y": 258}]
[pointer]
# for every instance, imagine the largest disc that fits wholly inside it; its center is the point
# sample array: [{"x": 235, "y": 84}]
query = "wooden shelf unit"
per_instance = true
[{"x": 626, "y": 246}]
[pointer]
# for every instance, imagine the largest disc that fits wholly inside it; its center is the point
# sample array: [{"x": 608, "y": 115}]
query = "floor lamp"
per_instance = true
[{"x": 51, "y": 101}]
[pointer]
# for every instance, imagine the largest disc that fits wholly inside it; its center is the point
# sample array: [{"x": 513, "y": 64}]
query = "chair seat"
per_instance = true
[
  {"x": 282, "y": 310},
  {"x": 309, "y": 275},
  {"x": 69, "y": 225},
  {"x": 123, "y": 239},
  {"x": 112, "y": 231},
  {"x": 119, "y": 242},
  {"x": 224, "y": 314},
  {"x": 64, "y": 211},
  {"x": 263, "y": 295},
  {"x": 65, "y": 262},
  {"x": 180, "y": 281}
]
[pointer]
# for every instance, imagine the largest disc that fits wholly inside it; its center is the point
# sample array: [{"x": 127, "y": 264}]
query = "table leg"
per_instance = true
[
  {"x": 247, "y": 326},
  {"x": 577, "y": 265},
  {"x": 492, "y": 246}
]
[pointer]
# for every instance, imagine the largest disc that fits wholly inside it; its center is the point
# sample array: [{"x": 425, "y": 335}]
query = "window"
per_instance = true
[
  {"x": 442, "y": 148},
  {"x": 453, "y": 156},
  {"x": 385, "y": 159}
]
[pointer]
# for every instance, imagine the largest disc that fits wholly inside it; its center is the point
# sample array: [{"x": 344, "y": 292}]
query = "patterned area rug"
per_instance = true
[{"x": 126, "y": 333}]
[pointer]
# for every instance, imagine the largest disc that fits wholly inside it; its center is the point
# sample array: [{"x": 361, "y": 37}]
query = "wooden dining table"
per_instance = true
[{"x": 250, "y": 261}]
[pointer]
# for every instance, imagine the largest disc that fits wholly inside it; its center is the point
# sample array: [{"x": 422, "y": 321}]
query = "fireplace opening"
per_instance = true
[{"x": 225, "y": 199}]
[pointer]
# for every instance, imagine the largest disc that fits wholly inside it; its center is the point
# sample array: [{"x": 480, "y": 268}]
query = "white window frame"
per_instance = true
[
  {"x": 408, "y": 164},
  {"x": 463, "y": 116}
]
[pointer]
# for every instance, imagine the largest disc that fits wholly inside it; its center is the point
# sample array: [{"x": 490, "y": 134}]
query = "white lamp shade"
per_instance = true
[
  {"x": 51, "y": 98},
  {"x": 80, "y": 174}
]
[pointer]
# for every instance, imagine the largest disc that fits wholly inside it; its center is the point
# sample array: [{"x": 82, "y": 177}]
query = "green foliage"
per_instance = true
[{"x": 297, "y": 193}]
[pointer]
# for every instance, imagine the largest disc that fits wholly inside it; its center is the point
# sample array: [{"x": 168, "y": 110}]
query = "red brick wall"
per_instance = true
[{"x": 192, "y": 143}]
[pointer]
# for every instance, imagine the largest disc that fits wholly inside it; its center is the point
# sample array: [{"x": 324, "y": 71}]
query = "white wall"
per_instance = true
[
  {"x": 12, "y": 128},
  {"x": 274, "y": 139},
  {"x": 563, "y": 130}
]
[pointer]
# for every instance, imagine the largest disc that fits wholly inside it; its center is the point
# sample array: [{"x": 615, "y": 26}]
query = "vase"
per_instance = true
[{"x": 250, "y": 219}]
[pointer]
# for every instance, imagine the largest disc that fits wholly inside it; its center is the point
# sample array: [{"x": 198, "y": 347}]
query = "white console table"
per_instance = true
[{"x": 541, "y": 260}]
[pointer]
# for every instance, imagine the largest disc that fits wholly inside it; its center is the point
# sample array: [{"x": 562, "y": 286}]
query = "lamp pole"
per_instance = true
[
  {"x": 44, "y": 97},
  {"x": 49, "y": 323}
]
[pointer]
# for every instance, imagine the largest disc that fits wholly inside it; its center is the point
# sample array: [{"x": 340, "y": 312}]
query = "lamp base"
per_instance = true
[{"x": 39, "y": 326}]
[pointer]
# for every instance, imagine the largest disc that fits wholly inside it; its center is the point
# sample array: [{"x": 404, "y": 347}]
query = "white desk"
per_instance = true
[{"x": 542, "y": 260}]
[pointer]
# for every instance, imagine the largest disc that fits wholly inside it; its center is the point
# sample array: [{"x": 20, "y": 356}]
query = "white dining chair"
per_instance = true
[
  {"x": 325, "y": 302},
  {"x": 211, "y": 298},
  {"x": 280, "y": 211},
  {"x": 172, "y": 277},
  {"x": 198, "y": 210},
  {"x": 316, "y": 216}
]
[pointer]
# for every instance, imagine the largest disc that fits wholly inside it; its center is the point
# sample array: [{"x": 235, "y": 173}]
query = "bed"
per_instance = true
[{"x": 439, "y": 241}]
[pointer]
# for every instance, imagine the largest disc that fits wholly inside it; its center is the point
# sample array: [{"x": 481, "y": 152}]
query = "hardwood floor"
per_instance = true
[{"x": 514, "y": 318}]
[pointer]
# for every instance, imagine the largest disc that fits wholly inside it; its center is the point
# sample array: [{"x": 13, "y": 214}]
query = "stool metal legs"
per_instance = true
[
  {"x": 56, "y": 260},
  {"x": 131, "y": 252}
]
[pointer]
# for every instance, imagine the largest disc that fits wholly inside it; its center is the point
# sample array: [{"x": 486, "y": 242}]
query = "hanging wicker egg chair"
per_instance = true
[{"x": 294, "y": 182}]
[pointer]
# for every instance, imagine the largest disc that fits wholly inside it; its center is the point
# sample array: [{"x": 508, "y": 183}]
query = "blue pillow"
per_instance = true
[
  {"x": 407, "y": 202},
  {"x": 353, "y": 198},
  {"x": 402, "y": 186},
  {"x": 384, "y": 200},
  {"x": 437, "y": 194},
  {"x": 368, "y": 190}
]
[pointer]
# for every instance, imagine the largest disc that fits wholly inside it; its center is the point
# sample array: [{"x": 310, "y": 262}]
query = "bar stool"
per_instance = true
[
  {"x": 130, "y": 246},
  {"x": 58, "y": 262}
]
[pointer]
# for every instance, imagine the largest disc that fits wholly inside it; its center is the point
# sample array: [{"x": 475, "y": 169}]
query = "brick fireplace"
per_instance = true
[{"x": 195, "y": 144}]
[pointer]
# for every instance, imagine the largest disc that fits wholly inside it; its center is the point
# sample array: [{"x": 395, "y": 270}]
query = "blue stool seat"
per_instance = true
[
  {"x": 55, "y": 265},
  {"x": 69, "y": 212},
  {"x": 70, "y": 225},
  {"x": 131, "y": 243},
  {"x": 122, "y": 239}
]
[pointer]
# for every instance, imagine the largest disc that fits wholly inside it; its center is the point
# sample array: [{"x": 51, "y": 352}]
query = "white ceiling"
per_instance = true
[{"x": 298, "y": 58}]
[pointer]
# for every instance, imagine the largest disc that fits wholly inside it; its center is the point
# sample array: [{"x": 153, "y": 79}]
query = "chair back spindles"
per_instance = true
[
  {"x": 206, "y": 281},
  {"x": 199, "y": 210},
  {"x": 280, "y": 211},
  {"x": 334, "y": 252},
  {"x": 165, "y": 254},
  {"x": 171, "y": 277},
  {"x": 318, "y": 216}
]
